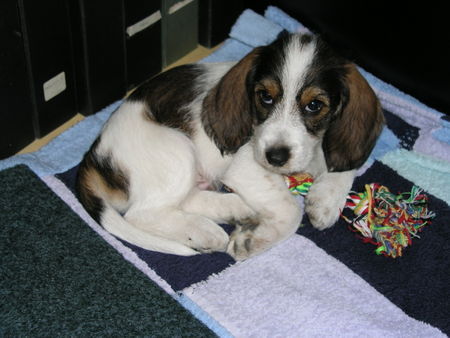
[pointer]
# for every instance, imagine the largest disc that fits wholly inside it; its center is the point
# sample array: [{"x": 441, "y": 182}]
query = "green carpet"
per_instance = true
[{"x": 58, "y": 277}]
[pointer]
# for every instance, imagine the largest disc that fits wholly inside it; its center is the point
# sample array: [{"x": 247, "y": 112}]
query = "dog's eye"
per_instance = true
[
  {"x": 265, "y": 97},
  {"x": 314, "y": 106}
]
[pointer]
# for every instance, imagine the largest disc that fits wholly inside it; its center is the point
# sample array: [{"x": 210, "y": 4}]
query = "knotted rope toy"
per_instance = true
[
  {"x": 387, "y": 220},
  {"x": 384, "y": 219},
  {"x": 299, "y": 184}
]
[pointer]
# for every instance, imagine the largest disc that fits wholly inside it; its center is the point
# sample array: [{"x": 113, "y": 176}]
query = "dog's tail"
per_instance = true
[
  {"x": 115, "y": 224},
  {"x": 98, "y": 196}
]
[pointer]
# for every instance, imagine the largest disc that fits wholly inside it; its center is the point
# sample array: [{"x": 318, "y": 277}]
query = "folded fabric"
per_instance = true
[
  {"x": 443, "y": 133},
  {"x": 254, "y": 30},
  {"x": 387, "y": 142},
  {"x": 427, "y": 172},
  {"x": 276, "y": 15}
]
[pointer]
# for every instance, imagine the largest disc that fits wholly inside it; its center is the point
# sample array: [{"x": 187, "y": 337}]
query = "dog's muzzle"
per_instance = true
[{"x": 278, "y": 156}]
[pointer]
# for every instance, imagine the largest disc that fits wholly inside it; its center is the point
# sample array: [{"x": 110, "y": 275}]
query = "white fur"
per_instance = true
[
  {"x": 162, "y": 165},
  {"x": 298, "y": 58}
]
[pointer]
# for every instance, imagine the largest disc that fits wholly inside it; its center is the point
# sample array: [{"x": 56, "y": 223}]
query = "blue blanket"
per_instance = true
[{"x": 316, "y": 283}]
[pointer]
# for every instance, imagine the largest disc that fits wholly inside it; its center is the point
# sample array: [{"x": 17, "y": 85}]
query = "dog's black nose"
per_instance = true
[{"x": 278, "y": 156}]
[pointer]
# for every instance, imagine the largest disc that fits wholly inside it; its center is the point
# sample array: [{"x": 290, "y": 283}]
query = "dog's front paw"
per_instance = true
[
  {"x": 323, "y": 205},
  {"x": 240, "y": 245},
  {"x": 248, "y": 239},
  {"x": 245, "y": 244}
]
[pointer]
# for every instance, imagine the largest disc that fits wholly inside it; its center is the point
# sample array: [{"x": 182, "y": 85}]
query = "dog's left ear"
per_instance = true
[
  {"x": 226, "y": 115},
  {"x": 352, "y": 135}
]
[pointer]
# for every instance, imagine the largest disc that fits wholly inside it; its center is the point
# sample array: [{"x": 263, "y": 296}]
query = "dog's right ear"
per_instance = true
[{"x": 226, "y": 114}]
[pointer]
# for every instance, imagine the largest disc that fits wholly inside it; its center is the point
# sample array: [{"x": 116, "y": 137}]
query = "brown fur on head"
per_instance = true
[
  {"x": 226, "y": 115},
  {"x": 353, "y": 134}
]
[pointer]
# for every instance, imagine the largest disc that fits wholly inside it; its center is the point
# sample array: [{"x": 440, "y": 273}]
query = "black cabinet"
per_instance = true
[
  {"x": 99, "y": 52},
  {"x": 48, "y": 51},
  {"x": 62, "y": 57},
  {"x": 180, "y": 29},
  {"x": 117, "y": 47},
  {"x": 16, "y": 128},
  {"x": 37, "y": 76},
  {"x": 143, "y": 40}
]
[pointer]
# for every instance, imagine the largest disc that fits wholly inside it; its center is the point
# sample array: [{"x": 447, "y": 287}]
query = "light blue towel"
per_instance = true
[
  {"x": 231, "y": 50},
  {"x": 67, "y": 149},
  {"x": 443, "y": 133},
  {"x": 255, "y": 30},
  {"x": 276, "y": 15}
]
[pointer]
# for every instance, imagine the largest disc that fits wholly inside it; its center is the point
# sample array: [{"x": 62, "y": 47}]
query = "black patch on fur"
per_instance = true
[
  {"x": 306, "y": 39},
  {"x": 283, "y": 34},
  {"x": 168, "y": 94}
]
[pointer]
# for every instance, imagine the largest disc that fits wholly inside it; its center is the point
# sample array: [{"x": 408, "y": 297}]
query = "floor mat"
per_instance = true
[{"x": 58, "y": 277}]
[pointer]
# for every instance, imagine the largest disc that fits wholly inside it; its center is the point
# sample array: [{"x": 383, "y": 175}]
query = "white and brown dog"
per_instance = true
[{"x": 292, "y": 106}]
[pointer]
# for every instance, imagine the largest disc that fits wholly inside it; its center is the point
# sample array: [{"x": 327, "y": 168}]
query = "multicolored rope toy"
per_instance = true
[
  {"x": 387, "y": 220},
  {"x": 384, "y": 219},
  {"x": 299, "y": 184}
]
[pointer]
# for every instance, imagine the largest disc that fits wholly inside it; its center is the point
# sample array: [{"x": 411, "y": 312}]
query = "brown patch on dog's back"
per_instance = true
[
  {"x": 96, "y": 182},
  {"x": 100, "y": 181}
]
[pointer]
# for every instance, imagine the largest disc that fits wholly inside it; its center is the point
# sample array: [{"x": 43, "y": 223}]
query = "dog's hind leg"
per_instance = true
[
  {"x": 194, "y": 231},
  {"x": 220, "y": 207}
]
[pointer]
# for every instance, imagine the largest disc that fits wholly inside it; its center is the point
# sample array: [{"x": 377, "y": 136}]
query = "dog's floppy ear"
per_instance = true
[
  {"x": 226, "y": 115},
  {"x": 352, "y": 135}
]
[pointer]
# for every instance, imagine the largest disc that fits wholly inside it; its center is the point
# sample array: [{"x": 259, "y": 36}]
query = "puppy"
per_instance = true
[{"x": 292, "y": 106}]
